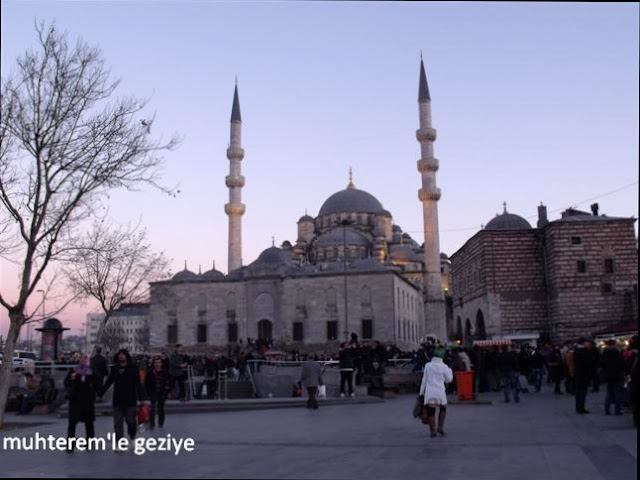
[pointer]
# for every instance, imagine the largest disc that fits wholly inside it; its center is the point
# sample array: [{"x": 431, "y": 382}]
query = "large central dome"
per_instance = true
[{"x": 351, "y": 200}]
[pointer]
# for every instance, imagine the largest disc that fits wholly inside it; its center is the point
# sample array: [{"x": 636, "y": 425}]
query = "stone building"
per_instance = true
[
  {"x": 567, "y": 278},
  {"x": 351, "y": 269}
]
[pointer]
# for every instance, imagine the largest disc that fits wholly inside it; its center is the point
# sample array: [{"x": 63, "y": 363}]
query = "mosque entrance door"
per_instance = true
[{"x": 265, "y": 329}]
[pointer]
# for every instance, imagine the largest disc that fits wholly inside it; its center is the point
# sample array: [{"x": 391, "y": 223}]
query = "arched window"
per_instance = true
[{"x": 481, "y": 333}]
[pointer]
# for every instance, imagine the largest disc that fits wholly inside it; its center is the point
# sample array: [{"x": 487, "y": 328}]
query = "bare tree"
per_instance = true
[
  {"x": 114, "y": 265},
  {"x": 64, "y": 142},
  {"x": 113, "y": 338}
]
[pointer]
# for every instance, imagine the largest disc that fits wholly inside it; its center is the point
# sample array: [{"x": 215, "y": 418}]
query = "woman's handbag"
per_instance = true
[
  {"x": 417, "y": 407},
  {"x": 144, "y": 413}
]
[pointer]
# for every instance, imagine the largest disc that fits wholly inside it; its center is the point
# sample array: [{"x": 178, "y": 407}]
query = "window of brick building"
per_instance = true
[
  {"x": 298, "y": 331},
  {"x": 608, "y": 265},
  {"x": 367, "y": 329},
  {"x": 582, "y": 266},
  {"x": 232, "y": 332},
  {"x": 332, "y": 330},
  {"x": 576, "y": 240},
  {"x": 172, "y": 334},
  {"x": 202, "y": 334},
  {"x": 607, "y": 288}
]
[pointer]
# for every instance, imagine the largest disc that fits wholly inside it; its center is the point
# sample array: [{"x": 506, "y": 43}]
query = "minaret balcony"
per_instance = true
[
  {"x": 236, "y": 181},
  {"x": 235, "y": 153},
  {"x": 428, "y": 165},
  {"x": 429, "y": 195},
  {"x": 234, "y": 208},
  {"x": 426, "y": 134}
]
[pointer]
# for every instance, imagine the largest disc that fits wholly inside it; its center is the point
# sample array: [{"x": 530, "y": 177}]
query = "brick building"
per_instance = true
[{"x": 570, "y": 277}]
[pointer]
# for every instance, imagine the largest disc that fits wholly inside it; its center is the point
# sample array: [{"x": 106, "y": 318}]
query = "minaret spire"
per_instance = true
[
  {"x": 429, "y": 195},
  {"x": 351, "y": 185},
  {"x": 235, "y": 181}
]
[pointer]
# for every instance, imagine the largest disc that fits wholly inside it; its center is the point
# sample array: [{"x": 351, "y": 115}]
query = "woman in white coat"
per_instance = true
[{"x": 436, "y": 374}]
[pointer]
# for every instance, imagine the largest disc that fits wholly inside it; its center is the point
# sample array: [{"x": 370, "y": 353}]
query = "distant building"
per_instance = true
[
  {"x": 567, "y": 278},
  {"x": 128, "y": 327}
]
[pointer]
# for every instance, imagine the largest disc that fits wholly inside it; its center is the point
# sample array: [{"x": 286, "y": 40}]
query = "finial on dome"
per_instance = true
[
  {"x": 504, "y": 204},
  {"x": 351, "y": 185},
  {"x": 185, "y": 265},
  {"x": 213, "y": 264},
  {"x": 199, "y": 269},
  {"x": 273, "y": 241}
]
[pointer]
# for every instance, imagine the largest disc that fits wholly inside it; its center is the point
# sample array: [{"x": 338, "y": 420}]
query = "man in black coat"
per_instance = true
[
  {"x": 613, "y": 373},
  {"x": 583, "y": 361},
  {"x": 99, "y": 367},
  {"x": 127, "y": 392}
]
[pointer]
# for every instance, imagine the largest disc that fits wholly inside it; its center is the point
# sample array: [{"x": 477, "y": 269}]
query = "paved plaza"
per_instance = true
[{"x": 540, "y": 438}]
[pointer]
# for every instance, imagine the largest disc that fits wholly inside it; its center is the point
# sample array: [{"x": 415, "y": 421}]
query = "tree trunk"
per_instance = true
[{"x": 7, "y": 361}]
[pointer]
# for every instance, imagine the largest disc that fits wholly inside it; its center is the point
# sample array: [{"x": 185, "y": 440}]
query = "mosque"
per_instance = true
[{"x": 351, "y": 270}]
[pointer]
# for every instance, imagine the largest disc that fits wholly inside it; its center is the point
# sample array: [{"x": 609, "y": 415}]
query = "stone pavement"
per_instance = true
[{"x": 540, "y": 438}]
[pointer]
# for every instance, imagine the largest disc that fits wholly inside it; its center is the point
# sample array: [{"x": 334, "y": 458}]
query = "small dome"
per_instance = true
[
  {"x": 185, "y": 276},
  {"x": 444, "y": 256},
  {"x": 272, "y": 256},
  {"x": 351, "y": 200},
  {"x": 52, "y": 324},
  {"x": 396, "y": 228},
  {"x": 213, "y": 274},
  {"x": 336, "y": 237},
  {"x": 385, "y": 213},
  {"x": 286, "y": 245},
  {"x": 306, "y": 218},
  {"x": 508, "y": 221}
]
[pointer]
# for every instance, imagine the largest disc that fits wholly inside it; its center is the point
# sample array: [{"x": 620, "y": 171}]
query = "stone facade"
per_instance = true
[
  {"x": 381, "y": 305},
  {"x": 565, "y": 279}
]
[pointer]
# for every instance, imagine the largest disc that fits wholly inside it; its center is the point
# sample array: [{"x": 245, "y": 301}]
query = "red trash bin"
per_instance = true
[{"x": 464, "y": 385}]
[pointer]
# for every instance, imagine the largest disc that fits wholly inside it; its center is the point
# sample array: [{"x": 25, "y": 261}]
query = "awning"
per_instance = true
[{"x": 492, "y": 343}]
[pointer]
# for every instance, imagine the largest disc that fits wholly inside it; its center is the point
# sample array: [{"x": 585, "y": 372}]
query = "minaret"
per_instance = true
[
  {"x": 429, "y": 194},
  {"x": 235, "y": 181}
]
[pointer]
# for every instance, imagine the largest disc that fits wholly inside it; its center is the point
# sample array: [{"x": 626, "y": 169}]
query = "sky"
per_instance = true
[{"x": 533, "y": 102}]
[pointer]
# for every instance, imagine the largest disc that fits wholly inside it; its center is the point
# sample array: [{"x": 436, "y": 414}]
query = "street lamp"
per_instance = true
[{"x": 345, "y": 222}]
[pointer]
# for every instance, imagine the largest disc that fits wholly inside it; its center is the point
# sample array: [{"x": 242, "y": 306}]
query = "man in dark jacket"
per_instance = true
[
  {"x": 507, "y": 366},
  {"x": 100, "y": 368},
  {"x": 346, "y": 369},
  {"x": 583, "y": 364},
  {"x": 127, "y": 392},
  {"x": 613, "y": 372},
  {"x": 176, "y": 372}
]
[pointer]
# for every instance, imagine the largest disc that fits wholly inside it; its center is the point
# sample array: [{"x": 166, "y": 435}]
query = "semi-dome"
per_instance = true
[
  {"x": 338, "y": 236},
  {"x": 405, "y": 253},
  {"x": 351, "y": 200}
]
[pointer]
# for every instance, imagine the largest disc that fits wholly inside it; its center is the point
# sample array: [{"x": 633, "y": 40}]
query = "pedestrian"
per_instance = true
[
  {"x": 583, "y": 364},
  {"x": 536, "y": 364},
  {"x": 100, "y": 369},
  {"x": 507, "y": 365},
  {"x": 311, "y": 377},
  {"x": 127, "y": 393},
  {"x": 569, "y": 367},
  {"x": 436, "y": 374},
  {"x": 211, "y": 376},
  {"x": 81, "y": 387},
  {"x": 346, "y": 370},
  {"x": 176, "y": 372},
  {"x": 612, "y": 368},
  {"x": 157, "y": 387},
  {"x": 556, "y": 369}
]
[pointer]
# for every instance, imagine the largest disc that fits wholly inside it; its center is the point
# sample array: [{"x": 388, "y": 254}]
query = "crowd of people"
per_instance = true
[{"x": 572, "y": 368}]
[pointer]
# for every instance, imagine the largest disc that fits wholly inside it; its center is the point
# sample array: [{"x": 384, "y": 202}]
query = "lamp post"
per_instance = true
[
  {"x": 345, "y": 222},
  {"x": 43, "y": 311}
]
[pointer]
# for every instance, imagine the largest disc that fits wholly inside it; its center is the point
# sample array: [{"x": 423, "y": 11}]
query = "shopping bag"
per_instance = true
[
  {"x": 322, "y": 391},
  {"x": 144, "y": 413},
  {"x": 417, "y": 407}
]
